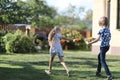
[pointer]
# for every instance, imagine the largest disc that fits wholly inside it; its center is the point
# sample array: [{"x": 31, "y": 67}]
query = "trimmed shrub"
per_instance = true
[
  {"x": 24, "y": 45},
  {"x": 18, "y": 43},
  {"x": 8, "y": 40},
  {"x": 2, "y": 44}
]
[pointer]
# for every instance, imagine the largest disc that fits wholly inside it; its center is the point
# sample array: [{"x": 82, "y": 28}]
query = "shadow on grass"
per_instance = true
[
  {"x": 92, "y": 61},
  {"x": 22, "y": 74},
  {"x": 76, "y": 75},
  {"x": 24, "y": 71},
  {"x": 27, "y": 72},
  {"x": 86, "y": 58},
  {"x": 116, "y": 75}
]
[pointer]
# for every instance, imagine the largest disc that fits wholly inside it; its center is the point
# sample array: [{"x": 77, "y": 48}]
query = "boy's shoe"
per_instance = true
[
  {"x": 98, "y": 74},
  {"x": 109, "y": 77},
  {"x": 48, "y": 72}
]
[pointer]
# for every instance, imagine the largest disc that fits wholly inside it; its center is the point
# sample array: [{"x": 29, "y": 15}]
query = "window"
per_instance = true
[{"x": 118, "y": 20}]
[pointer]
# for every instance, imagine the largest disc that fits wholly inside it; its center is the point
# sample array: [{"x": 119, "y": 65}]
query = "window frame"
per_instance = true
[{"x": 118, "y": 14}]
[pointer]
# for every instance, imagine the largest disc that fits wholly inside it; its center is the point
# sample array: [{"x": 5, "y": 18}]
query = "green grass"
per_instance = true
[{"x": 31, "y": 66}]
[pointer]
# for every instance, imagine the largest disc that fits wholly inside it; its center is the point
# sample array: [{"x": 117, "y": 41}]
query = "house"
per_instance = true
[{"x": 111, "y": 9}]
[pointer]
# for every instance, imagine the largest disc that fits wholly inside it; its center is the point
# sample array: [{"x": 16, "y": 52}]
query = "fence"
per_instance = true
[
  {"x": 85, "y": 33},
  {"x": 12, "y": 27}
]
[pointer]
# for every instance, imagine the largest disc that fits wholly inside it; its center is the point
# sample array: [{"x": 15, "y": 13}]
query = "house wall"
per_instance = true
[
  {"x": 115, "y": 41},
  {"x": 99, "y": 10}
]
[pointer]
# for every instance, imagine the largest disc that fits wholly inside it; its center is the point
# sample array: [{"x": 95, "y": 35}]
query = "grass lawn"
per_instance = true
[{"x": 31, "y": 66}]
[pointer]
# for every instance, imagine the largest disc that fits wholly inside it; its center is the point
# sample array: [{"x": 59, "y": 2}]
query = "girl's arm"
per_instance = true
[
  {"x": 93, "y": 41},
  {"x": 67, "y": 38},
  {"x": 50, "y": 43}
]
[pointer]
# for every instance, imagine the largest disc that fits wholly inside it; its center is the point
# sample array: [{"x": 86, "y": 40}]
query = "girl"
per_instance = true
[
  {"x": 104, "y": 36},
  {"x": 55, "y": 48}
]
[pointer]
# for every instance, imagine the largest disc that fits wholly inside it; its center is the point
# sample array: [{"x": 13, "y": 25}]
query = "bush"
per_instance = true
[
  {"x": 2, "y": 44},
  {"x": 24, "y": 45},
  {"x": 8, "y": 41},
  {"x": 18, "y": 43},
  {"x": 73, "y": 34}
]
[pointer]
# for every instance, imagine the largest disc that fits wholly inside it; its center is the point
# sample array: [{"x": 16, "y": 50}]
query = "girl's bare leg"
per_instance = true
[
  {"x": 50, "y": 63},
  {"x": 64, "y": 65}
]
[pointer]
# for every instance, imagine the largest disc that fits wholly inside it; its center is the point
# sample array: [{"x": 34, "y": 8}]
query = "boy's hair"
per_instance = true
[
  {"x": 52, "y": 33},
  {"x": 103, "y": 21}
]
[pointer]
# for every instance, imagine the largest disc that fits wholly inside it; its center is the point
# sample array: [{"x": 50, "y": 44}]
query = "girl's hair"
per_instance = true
[
  {"x": 103, "y": 21},
  {"x": 52, "y": 33}
]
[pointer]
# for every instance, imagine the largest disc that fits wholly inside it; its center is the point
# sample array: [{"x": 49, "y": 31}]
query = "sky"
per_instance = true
[{"x": 63, "y": 4}]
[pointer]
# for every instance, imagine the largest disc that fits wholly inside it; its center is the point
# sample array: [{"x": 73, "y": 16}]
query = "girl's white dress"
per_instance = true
[{"x": 57, "y": 48}]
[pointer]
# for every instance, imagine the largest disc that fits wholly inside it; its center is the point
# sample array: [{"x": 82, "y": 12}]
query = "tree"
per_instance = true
[
  {"x": 41, "y": 13},
  {"x": 35, "y": 12},
  {"x": 88, "y": 15},
  {"x": 4, "y": 5},
  {"x": 12, "y": 12},
  {"x": 76, "y": 17},
  {"x": 88, "y": 19}
]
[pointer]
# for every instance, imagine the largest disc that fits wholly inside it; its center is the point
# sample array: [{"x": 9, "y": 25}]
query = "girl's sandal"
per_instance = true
[
  {"x": 48, "y": 72},
  {"x": 68, "y": 73}
]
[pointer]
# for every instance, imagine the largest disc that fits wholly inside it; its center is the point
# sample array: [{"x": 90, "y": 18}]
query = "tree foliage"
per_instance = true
[
  {"x": 32, "y": 12},
  {"x": 12, "y": 12},
  {"x": 41, "y": 13},
  {"x": 76, "y": 17},
  {"x": 38, "y": 13}
]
